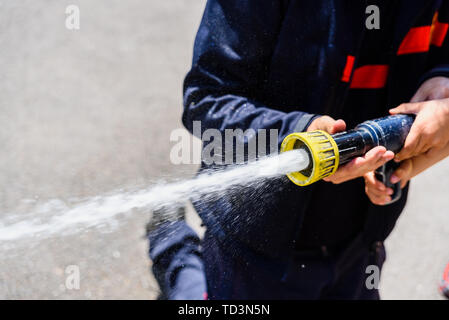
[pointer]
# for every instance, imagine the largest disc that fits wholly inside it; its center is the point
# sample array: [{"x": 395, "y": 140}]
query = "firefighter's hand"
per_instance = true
[
  {"x": 327, "y": 124},
  {"x": 377, "y": 192},
  {"x": 431, "y": 127},
  {"x": 436, "y": 88},
  {"x": 359, "y": 166}
]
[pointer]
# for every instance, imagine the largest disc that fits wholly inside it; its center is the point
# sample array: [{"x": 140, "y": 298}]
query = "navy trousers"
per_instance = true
[
  {"x": 186, "y": 268},
  {"x": 177, "y": 264}
]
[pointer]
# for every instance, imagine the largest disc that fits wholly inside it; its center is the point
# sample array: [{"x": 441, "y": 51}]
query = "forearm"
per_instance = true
[
  {"x": 232, "y": 56},
  {"x": 425, "y": 161}
]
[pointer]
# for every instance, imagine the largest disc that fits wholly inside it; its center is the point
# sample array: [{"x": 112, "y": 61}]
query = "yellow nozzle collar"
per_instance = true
[{"x": 323, "y": 155}]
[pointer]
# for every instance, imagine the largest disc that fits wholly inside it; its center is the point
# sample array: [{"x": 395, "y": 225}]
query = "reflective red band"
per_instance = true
[
  {"x": 417, "y": 40},
  {"x": 370, "y": 77},
  {"x": 439, "y": 32},
  {"x": 348, "y": 69}
]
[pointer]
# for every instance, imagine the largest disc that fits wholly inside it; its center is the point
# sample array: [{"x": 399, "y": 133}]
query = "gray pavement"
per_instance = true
[{"x": 89, "y": 111}]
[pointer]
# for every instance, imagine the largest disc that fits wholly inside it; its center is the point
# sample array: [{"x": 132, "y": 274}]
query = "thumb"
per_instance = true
[
  {"x": 338, "y": 126},
  {"x": 327, "y": 124},
  {"x": 403, "y": 172},
  {"x": 406, "y": 108}
]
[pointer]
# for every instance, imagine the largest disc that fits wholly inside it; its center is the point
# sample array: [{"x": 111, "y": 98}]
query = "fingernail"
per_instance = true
[
  {"x": 387, "y": 199},
  {"x": 395, "y": 179},
  {"x": 390, "y": 191}
]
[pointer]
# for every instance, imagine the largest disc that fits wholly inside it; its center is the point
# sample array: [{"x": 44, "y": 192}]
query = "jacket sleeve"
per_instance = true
[
  {"x": 232, "y": 54},
  {"x": 439, "y": 66}
]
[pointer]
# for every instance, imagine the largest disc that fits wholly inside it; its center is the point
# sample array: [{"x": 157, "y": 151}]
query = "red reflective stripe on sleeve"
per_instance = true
[
  {"x": 439, "y": 32},
  {"x": 348, "y": 69},
  {"x": 370, "y": 77},
  {"x": 417, "y": 40}
]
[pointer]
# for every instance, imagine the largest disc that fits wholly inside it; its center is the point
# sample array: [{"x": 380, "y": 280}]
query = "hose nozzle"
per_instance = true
[
  {"x": 322, "y": 152},
  {"x": 327, "y": 152}
]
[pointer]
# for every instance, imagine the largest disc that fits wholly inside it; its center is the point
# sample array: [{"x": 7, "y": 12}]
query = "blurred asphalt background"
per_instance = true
[{"x": 89, "y": 111}]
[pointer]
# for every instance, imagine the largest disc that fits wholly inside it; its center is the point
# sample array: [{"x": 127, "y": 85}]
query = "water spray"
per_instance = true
[
  {"x": 312, "y": 156},
  {"x": 327, "y": 152}
]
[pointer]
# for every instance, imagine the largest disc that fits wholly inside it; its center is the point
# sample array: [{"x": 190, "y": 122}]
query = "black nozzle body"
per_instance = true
[{"x": 390, "y": 132}]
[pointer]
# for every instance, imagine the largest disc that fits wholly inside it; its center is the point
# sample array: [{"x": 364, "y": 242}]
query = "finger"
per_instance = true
[
  {"x": 372, "y": 183},
  {"x": 406, "y": 108},
  {"x": 316, "y": 123},
  {"x": 338, "y": 126},
  {"x": 410, "y": 146},
  {"x": 379, "y": 193},
  {"x": 420, "y": 146},
  {"x": 359, "y": 166},
  {"x": 363, "y": 164},
  {"x": 324, "y": 123},
  {"x": 379, "y": 200},
  {"x": 387, "y": 200},
  {"x": 403, "y": 172},
  {"x": 375, "y": 187},
  {"x": 374, "y": 199},
  {"x": 383, "y": 200},
  {"x": 387, "y": 156},
  {"x": 375, "y": 154},
  {"x": 377, "y": 157}
]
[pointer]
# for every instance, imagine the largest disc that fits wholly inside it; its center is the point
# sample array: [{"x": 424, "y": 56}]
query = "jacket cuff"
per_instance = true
[
  {"x": 305, "y": 121},
  {"x": 439, "y": 71}
]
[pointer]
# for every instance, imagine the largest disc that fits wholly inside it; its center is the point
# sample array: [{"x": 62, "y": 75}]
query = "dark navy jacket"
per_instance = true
[{"x": 276, "y": 63}]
